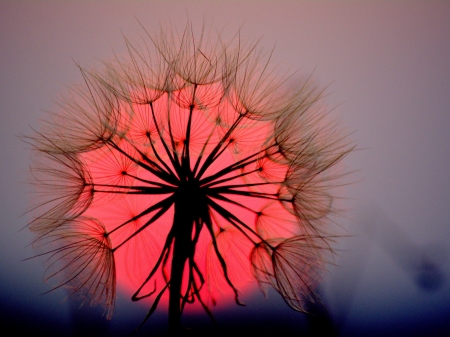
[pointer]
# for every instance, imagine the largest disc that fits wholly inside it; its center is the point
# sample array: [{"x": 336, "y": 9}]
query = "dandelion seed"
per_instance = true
[
  {"x": 81, "y": 258},
  {"x": 195, "y": 165}
]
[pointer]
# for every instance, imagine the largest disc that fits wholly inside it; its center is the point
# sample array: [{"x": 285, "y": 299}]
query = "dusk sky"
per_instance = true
[{"x": 386, "y": 68}]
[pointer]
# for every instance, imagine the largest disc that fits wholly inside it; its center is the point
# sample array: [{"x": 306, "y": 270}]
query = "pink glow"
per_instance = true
[{"x": 136, "y": 258}]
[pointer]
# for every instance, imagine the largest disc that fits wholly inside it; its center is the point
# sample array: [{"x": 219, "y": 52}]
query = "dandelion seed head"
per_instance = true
[{"x": 191, "y": 169}]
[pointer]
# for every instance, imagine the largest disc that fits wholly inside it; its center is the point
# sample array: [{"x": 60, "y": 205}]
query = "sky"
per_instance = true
[{"x": 386, "y": 69}]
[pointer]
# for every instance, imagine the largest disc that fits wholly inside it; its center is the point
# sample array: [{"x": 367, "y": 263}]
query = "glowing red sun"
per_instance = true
[{"x": 115, "y": 172}]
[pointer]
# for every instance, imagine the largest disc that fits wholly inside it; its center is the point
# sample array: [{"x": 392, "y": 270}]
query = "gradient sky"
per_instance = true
[{"x": 387, "y": 68}]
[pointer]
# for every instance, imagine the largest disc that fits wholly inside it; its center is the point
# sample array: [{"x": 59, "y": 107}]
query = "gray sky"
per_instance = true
[{"x": 388, "y": 70}]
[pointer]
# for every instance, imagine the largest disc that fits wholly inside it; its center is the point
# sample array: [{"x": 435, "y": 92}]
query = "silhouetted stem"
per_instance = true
[{"x": 182, "y": 250}]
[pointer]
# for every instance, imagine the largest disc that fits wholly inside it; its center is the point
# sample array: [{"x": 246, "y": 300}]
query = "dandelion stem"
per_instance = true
[{"x": 183, "y": 248}]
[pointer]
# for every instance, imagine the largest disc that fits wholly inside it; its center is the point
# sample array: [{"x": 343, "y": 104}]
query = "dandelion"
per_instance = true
[{"x": 193, "y": 163}]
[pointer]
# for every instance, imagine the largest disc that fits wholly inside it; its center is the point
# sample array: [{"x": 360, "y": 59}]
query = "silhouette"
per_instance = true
[{"x": 189, "y": 169}]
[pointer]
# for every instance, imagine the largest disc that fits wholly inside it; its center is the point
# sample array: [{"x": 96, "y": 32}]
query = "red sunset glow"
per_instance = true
[{"x": 112, "y": 171}]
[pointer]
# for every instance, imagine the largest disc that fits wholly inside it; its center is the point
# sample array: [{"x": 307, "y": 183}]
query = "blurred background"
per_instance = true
[{"x": 387, "y": 68}]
